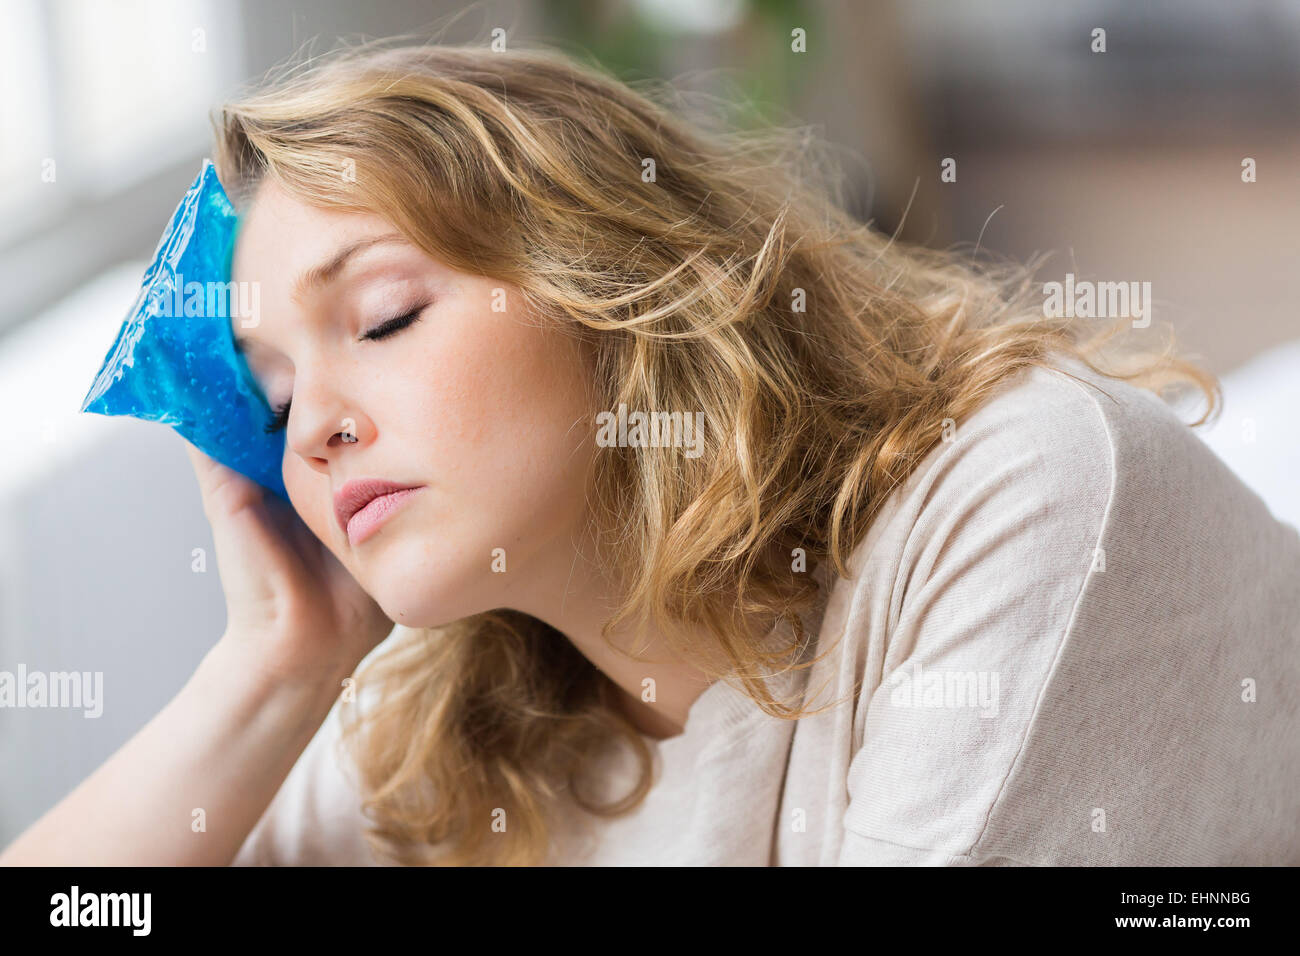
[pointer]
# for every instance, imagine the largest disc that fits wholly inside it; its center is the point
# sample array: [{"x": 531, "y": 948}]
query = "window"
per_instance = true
[{"x": 100, "y": 104}]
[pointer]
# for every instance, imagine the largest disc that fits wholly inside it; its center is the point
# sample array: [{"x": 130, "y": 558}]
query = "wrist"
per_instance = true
[{"x": 249, "y": 660}]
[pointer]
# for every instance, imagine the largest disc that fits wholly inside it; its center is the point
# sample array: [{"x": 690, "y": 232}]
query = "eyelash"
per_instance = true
[
  {"x": 391, "y": 326},
  {"x": 383, "y": 330}
]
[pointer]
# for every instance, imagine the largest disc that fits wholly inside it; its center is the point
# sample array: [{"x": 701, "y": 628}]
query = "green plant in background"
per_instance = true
[{"x": 764, "y": 77}]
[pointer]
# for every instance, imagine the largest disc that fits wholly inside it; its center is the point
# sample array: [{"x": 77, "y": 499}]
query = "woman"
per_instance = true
[{"x": 715, "y": 527}]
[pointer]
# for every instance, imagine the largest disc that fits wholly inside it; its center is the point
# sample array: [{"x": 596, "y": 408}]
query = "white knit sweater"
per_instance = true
[{"x": 1072, "y": 637}]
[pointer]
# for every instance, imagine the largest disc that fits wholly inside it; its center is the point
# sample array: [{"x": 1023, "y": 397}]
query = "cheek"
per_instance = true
[
  {"x": 491, "y": 412},
  {"x": 309, "y": 492},
  {"x": 508, "y": 412}
]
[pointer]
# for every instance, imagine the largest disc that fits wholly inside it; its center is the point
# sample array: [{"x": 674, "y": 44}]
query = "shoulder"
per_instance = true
[
  {"x": 964, "y": 591},
  {"x": 1058, "y": 465},
  {"x": 1015, "y": 496},
  {"x": 1043, "y": 435},
  {"x": 1040, "y": 611}
]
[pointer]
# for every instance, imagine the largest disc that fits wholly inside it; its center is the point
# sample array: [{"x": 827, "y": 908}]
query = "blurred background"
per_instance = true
[{"x": 1121, "y": 153}]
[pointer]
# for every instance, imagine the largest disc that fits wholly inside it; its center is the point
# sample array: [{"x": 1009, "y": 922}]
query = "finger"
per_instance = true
[
  {"x": 205, "y": 466},
  {"x": 223, "y": 489},
  {"x": 212, "y": 474},
  {"x": 196, "y": 456}
]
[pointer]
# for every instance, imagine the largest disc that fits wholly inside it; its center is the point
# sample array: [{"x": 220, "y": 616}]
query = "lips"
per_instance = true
[{"x": 355, "y": 495}]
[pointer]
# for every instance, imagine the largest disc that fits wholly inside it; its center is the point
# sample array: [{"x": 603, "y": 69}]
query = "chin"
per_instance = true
[
  {"x": 418, "y": 589},
  {"x": 419, "y": 609}
]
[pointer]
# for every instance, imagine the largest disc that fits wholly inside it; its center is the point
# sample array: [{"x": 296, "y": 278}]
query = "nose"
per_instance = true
[{"x": 323, "y": 422}]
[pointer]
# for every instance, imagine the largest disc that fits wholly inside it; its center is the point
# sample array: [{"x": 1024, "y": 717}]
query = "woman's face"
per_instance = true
[{"x": 475, "y": 402}]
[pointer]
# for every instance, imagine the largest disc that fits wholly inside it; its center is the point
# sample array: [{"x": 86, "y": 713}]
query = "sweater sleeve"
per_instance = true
[{"x": 1089, "y": 654}]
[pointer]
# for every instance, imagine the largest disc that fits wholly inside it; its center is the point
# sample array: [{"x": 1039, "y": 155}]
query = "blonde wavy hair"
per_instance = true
[{"x": 825, "y": 356}]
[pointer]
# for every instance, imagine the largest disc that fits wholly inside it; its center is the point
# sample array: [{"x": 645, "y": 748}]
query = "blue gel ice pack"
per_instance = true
[{"x": 174, "y": 359}]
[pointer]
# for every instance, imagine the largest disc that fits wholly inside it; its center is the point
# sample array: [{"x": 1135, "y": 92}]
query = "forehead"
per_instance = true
[{"x": 280, "y": 236}]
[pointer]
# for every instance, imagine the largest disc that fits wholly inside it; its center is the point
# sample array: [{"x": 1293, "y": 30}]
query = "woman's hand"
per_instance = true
[
  {"x": 297, "y": 625},
  {"x": 290, "y": 603}
]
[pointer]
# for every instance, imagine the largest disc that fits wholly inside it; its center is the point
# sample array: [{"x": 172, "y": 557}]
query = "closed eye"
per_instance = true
[
  {"x": 383, "y": 330},
  {"x": 280, "y": 421}
]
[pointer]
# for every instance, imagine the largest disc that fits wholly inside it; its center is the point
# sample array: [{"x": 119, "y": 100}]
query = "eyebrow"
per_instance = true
[{"x": 320, "y": 274}]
